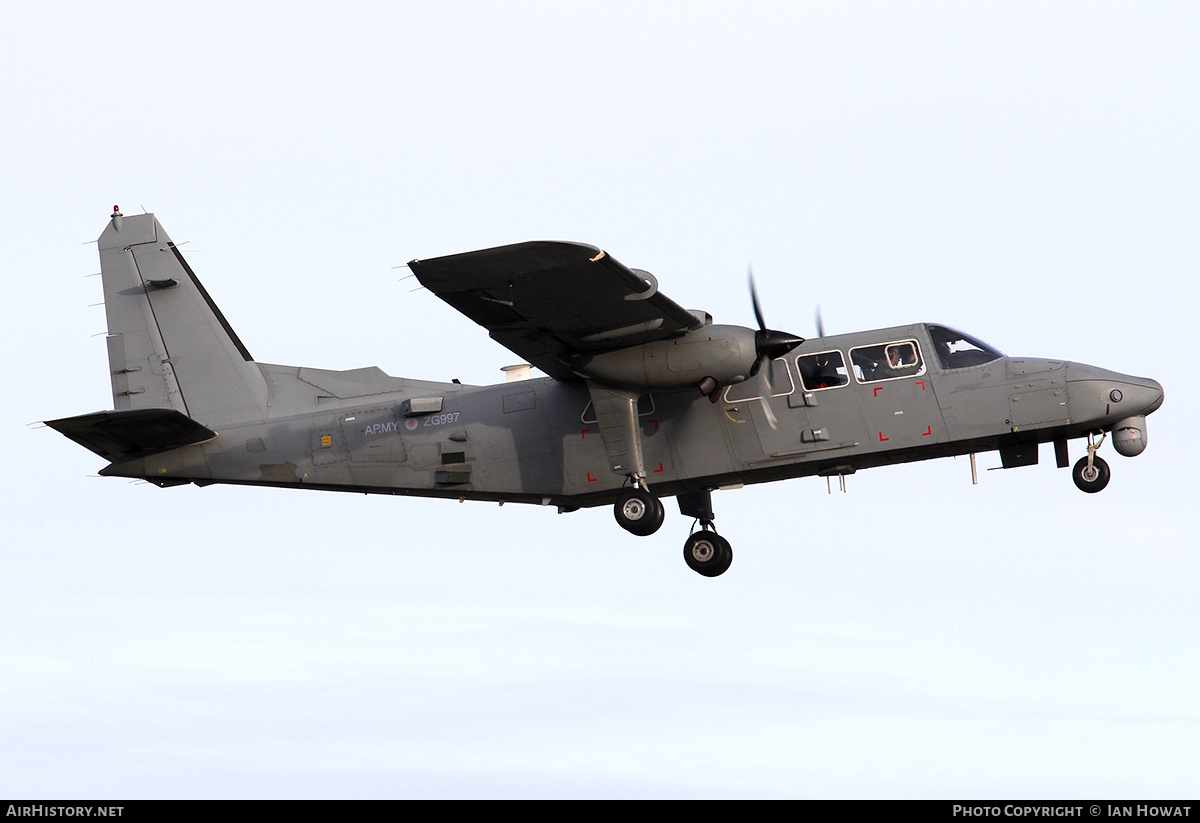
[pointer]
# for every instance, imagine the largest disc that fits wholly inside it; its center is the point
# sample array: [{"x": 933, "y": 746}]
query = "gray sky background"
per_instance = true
[{"x": 1027, "y": 172}]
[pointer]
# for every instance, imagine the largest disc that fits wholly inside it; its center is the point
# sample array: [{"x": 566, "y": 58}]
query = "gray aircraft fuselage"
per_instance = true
[{"x": 534, "y": 441}]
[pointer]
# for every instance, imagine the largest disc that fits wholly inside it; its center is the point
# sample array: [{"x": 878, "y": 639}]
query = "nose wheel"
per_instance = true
[
  {"x": 1091, "y": 474},
  {"x": 1091, "y": 478}
]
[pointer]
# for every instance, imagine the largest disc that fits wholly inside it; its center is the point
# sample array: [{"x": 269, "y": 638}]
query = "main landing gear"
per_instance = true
[
  {"x": 707, "y": 553},
  {"x": 640, "y": 512},
  {"x": 1091, "y": 474}
]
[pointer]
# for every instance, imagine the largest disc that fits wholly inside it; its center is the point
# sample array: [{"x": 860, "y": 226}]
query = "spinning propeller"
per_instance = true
[{"x": 768, "y": 345}]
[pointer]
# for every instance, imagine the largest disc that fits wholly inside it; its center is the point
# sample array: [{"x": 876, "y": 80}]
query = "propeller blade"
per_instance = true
[
  {"x": 758, "y": 364},
  {"x": 772, "y": 421},
  {"x": 762, "y": 324},
  {"x": 765, "y": 400},
  {"x": 768, "y": 345},
  {"x": 820, "y": 323}
]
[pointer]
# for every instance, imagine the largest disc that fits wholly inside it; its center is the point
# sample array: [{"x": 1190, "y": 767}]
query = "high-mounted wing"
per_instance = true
[{"x": 546, "y": 301}]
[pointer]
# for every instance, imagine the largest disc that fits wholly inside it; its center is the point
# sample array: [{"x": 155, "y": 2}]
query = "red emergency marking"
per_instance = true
[
  {"x": 882, "y": 439},
  {"x": 592, "y": 479},
  {"x": 928, "y": 431},
  {"x": 921, "y": 383},
  {"x": 877, "y": 388},
  {"x": 583, "y": 434},
  {"x": 655, "y": 422},
  {"x": 660, "y": 468}
]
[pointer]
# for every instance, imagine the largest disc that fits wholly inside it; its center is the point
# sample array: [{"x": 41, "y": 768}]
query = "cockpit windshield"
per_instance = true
[{"x": 956, "y": 350}]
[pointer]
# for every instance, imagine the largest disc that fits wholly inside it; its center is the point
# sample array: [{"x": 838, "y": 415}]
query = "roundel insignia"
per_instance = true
[{"x": 410, "y": 424}]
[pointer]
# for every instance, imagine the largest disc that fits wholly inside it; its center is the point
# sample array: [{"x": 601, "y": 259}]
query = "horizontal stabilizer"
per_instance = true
[{"x": 117, "y": 434}]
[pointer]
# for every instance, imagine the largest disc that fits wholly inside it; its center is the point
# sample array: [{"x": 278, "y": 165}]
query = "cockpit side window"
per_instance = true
[
  {"x": 825, "y": 370},
  {"x": 956, "y": 350},
  {"x": 887, "y": 361}
]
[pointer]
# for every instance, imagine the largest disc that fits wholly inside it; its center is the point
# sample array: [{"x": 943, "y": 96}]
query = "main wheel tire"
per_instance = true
[
  {"x": 639, "y": 512},
  {"x": 707, "y": 553},
  {"x": 1094, "y": 479}
]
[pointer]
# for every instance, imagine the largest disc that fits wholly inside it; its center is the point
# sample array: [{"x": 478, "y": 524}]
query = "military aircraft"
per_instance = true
[{"x": 644, "y": 399}]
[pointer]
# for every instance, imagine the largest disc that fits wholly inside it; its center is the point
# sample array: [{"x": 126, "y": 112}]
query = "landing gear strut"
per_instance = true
[{"x": 1091, "y": 474}]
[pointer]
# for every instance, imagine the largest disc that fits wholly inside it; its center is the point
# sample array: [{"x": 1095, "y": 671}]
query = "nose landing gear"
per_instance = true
[{"x": 1091, "y": 474}]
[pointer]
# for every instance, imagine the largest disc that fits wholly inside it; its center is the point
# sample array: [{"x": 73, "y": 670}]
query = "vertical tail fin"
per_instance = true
[{"x": 169, "y": 346}]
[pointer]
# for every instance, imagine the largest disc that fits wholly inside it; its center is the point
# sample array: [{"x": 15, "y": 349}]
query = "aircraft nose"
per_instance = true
[
  {"x": 1144, "y": 394},
  {"x": 1157, "y": 392},
  {"x": 1099, "y": 393}
]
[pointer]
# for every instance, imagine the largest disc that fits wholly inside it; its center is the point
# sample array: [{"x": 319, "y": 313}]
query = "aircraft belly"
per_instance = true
[{"x": 400, "y": 478}]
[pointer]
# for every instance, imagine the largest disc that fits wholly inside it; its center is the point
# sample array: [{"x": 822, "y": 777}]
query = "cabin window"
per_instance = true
[
  {"x": 826, "y": 370},
  {"x": 778, "y": 384},
  {"x": 887, "y": 361},
  {"x": 956, "y": 350}
]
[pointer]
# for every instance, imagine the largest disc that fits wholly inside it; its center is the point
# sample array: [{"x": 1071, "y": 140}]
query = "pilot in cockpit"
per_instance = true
[
  {"x": 900, "y": 361},
  {"x": 901, "y": 358}
]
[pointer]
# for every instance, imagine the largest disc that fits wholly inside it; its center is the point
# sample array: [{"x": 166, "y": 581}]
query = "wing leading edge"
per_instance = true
[{"x": 549, "y": 301}]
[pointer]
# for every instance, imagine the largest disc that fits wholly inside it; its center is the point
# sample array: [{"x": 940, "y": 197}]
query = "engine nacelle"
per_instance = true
[
  {"x": 1129, "y": 436},
  {"x": 725, "y": 353}
]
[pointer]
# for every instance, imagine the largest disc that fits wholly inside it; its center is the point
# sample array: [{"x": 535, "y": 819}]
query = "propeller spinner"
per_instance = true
[{"x": 768, "y": 343}]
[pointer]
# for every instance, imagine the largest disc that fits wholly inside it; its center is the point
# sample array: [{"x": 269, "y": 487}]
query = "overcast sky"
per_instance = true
[{"x": 1027, "y": 172}]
